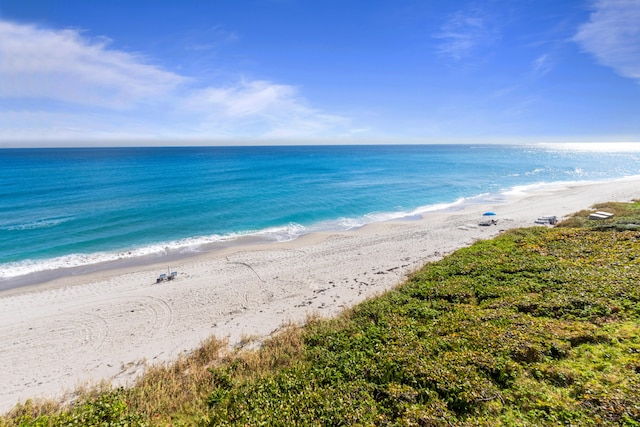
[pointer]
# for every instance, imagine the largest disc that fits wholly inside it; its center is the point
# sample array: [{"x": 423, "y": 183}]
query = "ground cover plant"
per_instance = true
[{"x": 535, "y": 327}]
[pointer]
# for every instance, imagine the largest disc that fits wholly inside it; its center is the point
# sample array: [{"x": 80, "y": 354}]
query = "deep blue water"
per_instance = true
[{"x": 71, "y": 207}]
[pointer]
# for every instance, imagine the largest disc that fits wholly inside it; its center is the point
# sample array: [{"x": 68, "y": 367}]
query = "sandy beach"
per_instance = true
[{"x": 109, "y": 325}]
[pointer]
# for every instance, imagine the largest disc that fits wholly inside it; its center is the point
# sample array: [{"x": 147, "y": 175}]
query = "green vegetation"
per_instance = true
[{"x": 536, "y": 327}]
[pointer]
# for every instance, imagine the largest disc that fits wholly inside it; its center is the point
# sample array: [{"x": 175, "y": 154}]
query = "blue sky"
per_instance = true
[{"x": 303, "y": 71}]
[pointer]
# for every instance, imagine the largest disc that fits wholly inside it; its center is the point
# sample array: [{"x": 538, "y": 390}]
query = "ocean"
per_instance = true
[{"x": 73, "y": 210}]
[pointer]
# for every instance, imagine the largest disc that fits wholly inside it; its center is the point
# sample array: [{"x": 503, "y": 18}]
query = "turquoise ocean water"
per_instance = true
[{"x": 70, "y": 210}]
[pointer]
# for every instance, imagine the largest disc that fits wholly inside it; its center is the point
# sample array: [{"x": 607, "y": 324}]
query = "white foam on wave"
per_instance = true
[
  {"x": 21, "y": 268},
  {"x": 339, "y": 224},
  {"x": 520, "y": 190},
  {"x": 436, "y": 207},
  {"x": 347, "y": 223},
  {"x": 281, "y": 234},
  {"x": 35, "y": 224},
  {"x": 576, "y": 172},
  {"x": 536, "y": 171},
  {"x": 182, "y": 246}
]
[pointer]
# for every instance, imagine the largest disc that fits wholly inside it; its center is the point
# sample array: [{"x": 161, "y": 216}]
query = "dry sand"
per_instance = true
[{"x": 109, "y": 325}]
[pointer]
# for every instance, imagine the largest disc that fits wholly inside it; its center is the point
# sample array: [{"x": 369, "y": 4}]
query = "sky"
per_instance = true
[{"x": 162, "y": 72}]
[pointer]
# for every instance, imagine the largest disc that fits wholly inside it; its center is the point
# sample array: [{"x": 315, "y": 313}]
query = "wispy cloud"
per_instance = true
[
  {"x": 266, "y": 108},
  {"x": 210, "y": 38},
  {"x": 612, "y": 35},
  {"x": 61, "y": 83},
  {"x": 464, "y": 32},
  {"x": 250, "y": 98},
  {"x": 541, "y": 65},
  {"x": 63, "y": 66}
]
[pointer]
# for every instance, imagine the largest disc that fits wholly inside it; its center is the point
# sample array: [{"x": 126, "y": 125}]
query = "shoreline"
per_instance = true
[
  {"x": 177, "y": 252},
  {"x": 110, "y": 324}
]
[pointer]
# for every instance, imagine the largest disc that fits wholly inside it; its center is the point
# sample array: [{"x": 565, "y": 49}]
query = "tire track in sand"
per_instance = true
[{"x": 77, "y": 340}]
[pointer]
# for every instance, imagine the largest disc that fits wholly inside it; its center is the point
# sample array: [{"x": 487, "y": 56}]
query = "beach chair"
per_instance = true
[
  {"x": 547, "y": 219},
  {"x": 607, "y": 214},
  {"x": 161, "y": 278}
]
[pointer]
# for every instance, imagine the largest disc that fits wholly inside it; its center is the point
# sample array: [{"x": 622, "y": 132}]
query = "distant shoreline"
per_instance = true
[{"x": 110, "y": 324}]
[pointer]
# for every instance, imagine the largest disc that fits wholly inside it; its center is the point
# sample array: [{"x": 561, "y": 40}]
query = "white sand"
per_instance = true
[{"x": 108, "y": 325}]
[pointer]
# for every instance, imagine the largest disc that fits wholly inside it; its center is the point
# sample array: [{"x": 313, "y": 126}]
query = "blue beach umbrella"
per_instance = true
[{"x": 488, "y": 213}]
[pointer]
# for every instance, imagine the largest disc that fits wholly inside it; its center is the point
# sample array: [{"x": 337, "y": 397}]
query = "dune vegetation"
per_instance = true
[{"x": 539, "y": 326}]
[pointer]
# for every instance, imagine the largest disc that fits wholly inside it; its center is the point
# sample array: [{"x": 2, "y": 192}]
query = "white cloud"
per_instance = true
[
  {"x": 261, "y": 107},
  {"x": 59, "y": 84},
  {"x": 612, "y": 35},
  {"x": 63, "y": 66},
  {"x": 249, "y": 98}
]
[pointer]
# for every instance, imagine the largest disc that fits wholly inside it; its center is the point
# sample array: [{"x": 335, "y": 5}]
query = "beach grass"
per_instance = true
[{"x": 536, "y": 327}]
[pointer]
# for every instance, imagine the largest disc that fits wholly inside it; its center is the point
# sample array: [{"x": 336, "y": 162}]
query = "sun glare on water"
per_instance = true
[{"x": 609, "y": 147}]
